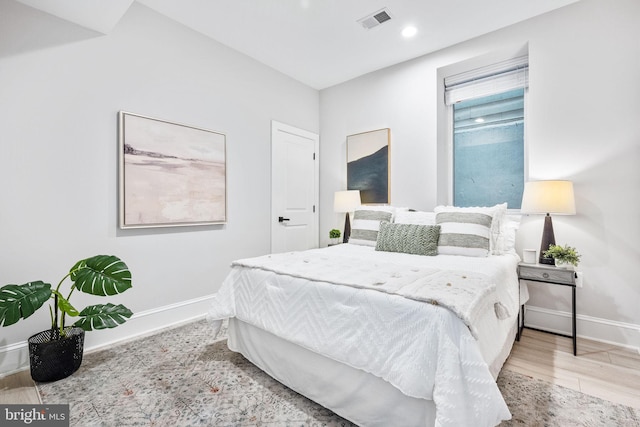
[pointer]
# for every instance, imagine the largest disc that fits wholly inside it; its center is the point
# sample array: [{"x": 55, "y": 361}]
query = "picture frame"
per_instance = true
[
  {"x": 368, "y": 165},
  {"x": 170, "y": 174}
]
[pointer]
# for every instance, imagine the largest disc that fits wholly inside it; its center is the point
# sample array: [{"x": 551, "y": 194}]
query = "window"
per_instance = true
[
  {"x": 487, "y": 122},
  {"x": 488, "y": 150}
]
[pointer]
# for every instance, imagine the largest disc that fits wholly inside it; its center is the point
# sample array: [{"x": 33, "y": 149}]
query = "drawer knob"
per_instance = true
[{"x": 545, "y": 275}]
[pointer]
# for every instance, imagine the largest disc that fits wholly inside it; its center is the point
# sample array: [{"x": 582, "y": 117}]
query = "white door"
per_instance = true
[{"x": 294, "y": 189}]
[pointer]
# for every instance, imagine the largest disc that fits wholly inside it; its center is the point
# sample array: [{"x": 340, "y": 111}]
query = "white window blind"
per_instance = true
[{"x": 495, "y": 78}]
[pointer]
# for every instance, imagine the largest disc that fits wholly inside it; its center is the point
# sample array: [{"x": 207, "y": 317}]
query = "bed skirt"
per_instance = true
[{"x": 354, "y": 394}]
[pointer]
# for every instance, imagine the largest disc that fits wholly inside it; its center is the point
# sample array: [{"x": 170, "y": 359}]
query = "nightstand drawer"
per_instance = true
[{"x": 547, "y": 274}]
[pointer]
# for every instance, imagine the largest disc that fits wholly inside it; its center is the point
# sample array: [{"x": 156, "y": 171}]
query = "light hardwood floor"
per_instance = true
[
  {"x": 18, "y": 388},
  {"x": 606, "y": 371},
  {"x": 603, "y": 370}
]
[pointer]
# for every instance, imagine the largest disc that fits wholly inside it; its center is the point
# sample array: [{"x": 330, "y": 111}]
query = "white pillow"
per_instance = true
[
  {"x": 366, "y": 224},
  {"x": 416, "y": 217},
  {"x": 497, "y": 214},
  {"x": 511, "y": 224}
]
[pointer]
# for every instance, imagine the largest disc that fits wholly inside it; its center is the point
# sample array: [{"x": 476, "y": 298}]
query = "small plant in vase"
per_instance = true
[
  {"x": 563, "y": 255},
  {"x": 334, "y": 235}
]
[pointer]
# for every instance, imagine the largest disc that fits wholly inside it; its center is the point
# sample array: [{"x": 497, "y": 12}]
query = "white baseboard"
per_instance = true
[
  {"x": 15, "y": 357},
  {"x": 607, "y": 331}
]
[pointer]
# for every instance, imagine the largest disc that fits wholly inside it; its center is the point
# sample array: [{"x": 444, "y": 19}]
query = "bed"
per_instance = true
[{"x": 384, "y": 337}]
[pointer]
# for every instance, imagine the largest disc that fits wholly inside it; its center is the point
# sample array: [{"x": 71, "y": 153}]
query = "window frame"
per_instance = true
[{"x": 444, "y": 155}]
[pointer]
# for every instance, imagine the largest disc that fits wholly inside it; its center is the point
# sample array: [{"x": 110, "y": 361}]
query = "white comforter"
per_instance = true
[
  {"x": 468, "y": 294},
  {"x": 424, "y": 350}
]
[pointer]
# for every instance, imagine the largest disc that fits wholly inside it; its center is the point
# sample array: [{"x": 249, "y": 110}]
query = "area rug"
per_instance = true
[
  {"x": 182, "y": 377},
  {"x": 534, "y": 402}
]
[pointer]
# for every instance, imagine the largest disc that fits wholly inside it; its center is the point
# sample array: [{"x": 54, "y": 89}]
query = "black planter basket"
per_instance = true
[{"x": 52, "y": 357}]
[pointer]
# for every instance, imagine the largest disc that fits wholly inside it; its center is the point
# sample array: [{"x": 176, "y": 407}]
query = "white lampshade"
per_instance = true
[
  {"x": 548, "y": 197},
  {"x": 346, "y": 201}
]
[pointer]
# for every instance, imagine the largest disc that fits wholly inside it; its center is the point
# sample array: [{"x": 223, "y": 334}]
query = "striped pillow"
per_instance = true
[
  {"x": 464, "y": 233},
  {"x": 408, "y": 238},
  {"x": 497, "y": 212},
  {"x": 366, "y": 224}
]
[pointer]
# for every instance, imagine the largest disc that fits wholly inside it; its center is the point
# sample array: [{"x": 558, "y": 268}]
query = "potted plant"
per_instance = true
[
  {"x": 334, "y": 235},
  {"x": 563, "y": 255},
  {"x": 57, "y": 352}
]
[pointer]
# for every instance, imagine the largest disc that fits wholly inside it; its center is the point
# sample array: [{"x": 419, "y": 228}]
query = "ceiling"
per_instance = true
[{"x": 318, "y": 42}]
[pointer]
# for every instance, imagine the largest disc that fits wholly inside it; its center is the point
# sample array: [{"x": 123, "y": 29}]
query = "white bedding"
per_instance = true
[
  {"x": 468, "y": 294},
  {"x": 423, "y": 350}
]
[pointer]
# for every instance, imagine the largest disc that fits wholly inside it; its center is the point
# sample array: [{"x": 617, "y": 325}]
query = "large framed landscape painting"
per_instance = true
[
  {"x": 368, "y": 165},
  {"x": 170, "y": 174}
]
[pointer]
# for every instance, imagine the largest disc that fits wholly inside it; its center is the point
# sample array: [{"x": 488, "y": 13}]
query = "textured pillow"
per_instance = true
[
  {"x": 408, "y": 238},
  {"x": 366, "y": 223},
  {"x": 416, "y": 217},
  {"x": 464, "y": 233}
]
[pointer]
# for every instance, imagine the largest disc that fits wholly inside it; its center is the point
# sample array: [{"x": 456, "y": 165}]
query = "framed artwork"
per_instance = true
[
  {"x": 368, "y": 165},
  {"x": 170, "y": 174}
]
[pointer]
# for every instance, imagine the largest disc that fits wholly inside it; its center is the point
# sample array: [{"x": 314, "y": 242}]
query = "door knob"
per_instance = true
[{"x": 282, "y": 219}]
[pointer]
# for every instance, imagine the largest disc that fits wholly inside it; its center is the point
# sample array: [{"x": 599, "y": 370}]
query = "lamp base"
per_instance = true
[
  {"x": 347, "y": 229},
  {"x": 548, "y": 239}
]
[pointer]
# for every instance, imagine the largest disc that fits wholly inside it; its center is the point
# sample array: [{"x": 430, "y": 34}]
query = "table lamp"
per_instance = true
[
  {"x": 548, "y": 197},
  {"x": 345, "y": 202}
]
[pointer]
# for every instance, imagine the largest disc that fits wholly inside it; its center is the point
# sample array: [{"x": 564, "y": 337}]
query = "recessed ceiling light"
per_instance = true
[
  {"x": 409, "y": 32},
  {"x": 479, "y": 120}
]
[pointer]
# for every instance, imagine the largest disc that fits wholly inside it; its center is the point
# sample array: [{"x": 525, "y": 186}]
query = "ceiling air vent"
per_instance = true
[{"x": 374, "y": 19}]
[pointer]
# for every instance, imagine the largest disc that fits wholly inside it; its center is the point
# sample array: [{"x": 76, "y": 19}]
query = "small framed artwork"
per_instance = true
[
  {"x": 170, "y": 174},
  {"x": 368, "y": 165}
]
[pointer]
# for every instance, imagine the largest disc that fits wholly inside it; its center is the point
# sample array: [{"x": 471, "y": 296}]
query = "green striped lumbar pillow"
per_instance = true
[
  {"x": 408, "y": 238},
  {"x": 464, "y": 233},
  {"x": 366, "y": 224}
]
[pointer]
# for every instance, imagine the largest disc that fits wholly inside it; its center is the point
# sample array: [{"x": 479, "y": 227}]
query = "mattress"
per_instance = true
[{"x": 423, "y": 350}]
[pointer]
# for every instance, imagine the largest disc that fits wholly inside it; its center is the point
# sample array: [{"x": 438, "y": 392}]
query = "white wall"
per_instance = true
[
  {"x": 582, "y": 125},
  {"x": 61, "y": 87}
]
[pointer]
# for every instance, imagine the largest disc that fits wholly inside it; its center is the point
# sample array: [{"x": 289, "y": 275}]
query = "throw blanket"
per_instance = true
[{"x": 467, "y": 294}]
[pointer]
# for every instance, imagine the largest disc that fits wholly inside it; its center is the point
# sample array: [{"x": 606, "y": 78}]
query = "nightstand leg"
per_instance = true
[
  {"x": 573, "y": 305},
  {"x": 520, "y": 321}
]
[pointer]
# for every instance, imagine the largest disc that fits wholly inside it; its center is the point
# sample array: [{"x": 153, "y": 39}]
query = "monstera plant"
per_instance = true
[{"x": 100, "y": 275}]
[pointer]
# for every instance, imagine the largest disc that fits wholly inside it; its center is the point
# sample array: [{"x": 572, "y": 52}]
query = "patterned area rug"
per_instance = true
[
  {"x": 182, "y": 377},
  {"x": 534, "y": 402}
]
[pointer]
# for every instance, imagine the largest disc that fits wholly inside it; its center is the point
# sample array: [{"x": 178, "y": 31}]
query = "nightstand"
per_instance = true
[{"x": 552, "y": 275}]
